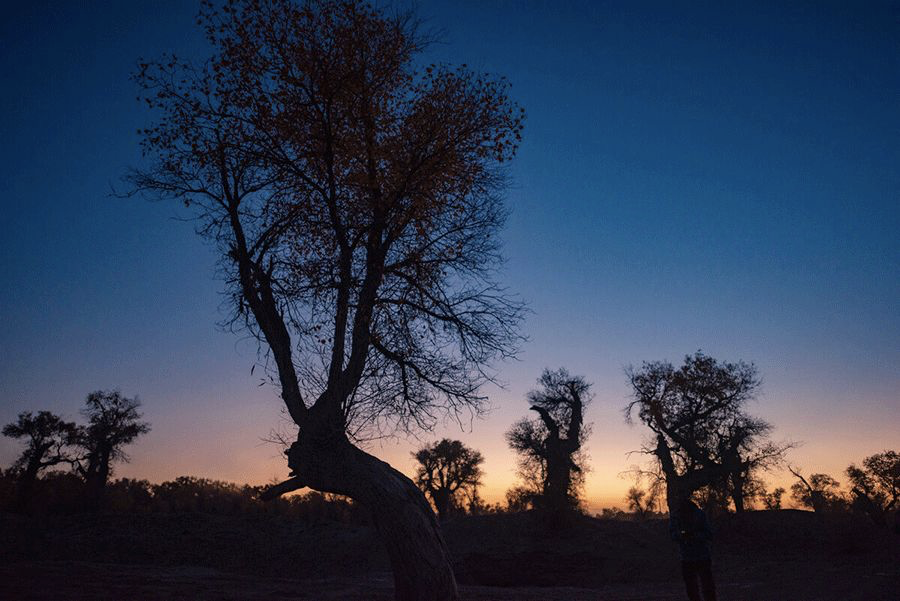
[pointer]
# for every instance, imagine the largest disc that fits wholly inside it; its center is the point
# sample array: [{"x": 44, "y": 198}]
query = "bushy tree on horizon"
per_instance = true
[
  {"x": 772, "y": 499},
  {"x": 446, "y": 471},
  {"x": 113, "y": 423},
  {"x": 819, "y": 492},
  {"x": 522, "y": 497},
  {"x": 875, "y": 485},
  {"x": 644, "y": 501}
]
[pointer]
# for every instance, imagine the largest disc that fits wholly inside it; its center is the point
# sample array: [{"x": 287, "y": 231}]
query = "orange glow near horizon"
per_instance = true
[{"x": 241, "y": 456}]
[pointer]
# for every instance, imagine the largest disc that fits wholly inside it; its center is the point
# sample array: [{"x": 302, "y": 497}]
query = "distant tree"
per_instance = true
[
  {"x": 478, "y": 506},
  {"x": 754, "y": 492},
  {"x": 446, "y": 472},
  {"x": 202, "y": 495},
  {"x": 48, "y": 442},
  {"x": 550, "y": 447},
  {"x": 521, "y": 498},
  {"x": 772, "y": 500},
  {"x": 702, "y": 435},
  {"x": 113, "y": 423},
  {"x": 127, "y": 495},
  {"x": 745, "y": 451},
  {"x": 612, "y": 513},
  {"x": 876, "y": 485},
  {"x": 355, "y": 199},
  {"x": 646, "y": 494},
  {"x": 820, "y": 492},
  {"x": 640, "y": 502}
]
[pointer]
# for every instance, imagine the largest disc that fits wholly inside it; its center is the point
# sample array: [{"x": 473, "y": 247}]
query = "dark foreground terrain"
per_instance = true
[{"x": 783, "y": 555}]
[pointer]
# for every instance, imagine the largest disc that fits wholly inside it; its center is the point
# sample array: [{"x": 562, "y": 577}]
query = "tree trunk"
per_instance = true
[
  {"x": 677, "y": 488},
  {"x": 95, "y": 479},
  {"x": 875, "y": 513},
  {"x": 419, "y": 556},
  {"x": 817, "y": 500},
  {"x": 25, "y": 487},
  {"x": 556, "y": 489},
  {"x": 737, "y": 494},
  {"x": 441, "y": 499}
]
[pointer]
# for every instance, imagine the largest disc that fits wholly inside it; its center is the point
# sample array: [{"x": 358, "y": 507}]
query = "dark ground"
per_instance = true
[{"x": 765, "y": 556}]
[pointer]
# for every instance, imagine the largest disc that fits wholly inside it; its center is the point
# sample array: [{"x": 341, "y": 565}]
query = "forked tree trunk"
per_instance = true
[{"x": 405, "y": 522}]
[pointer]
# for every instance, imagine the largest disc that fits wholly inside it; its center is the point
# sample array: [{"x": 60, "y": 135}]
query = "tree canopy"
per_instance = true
[
  {"x": 448, "y": 471},
  {"x": 876, "y": 484},
  {"x": 48, "y": 440},
  {"x": 703, "y": 435},
  {"x": 354, "y": 197},
  {"x": 819, "y": 492}
]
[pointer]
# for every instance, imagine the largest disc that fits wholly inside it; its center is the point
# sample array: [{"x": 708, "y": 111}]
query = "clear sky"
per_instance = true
[{"x": 723, "y": 176}]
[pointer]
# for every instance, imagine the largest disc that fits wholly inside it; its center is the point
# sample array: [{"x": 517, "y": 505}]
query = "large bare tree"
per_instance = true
[{"x": 355, "y": 199}]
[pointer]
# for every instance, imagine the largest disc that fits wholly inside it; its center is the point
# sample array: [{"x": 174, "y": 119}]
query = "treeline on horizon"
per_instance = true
[{"x": 702, "y": 445}]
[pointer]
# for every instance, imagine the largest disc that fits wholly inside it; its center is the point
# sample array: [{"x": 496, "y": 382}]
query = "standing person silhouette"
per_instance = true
[{"x": 690, "y": 529}]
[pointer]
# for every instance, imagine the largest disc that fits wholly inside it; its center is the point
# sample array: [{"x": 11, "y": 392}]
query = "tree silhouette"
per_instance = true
[
  {"x": 641, "y": 502},
  {"x": 48, "y": 442},
  {"x": 772, "y": 500},
  {"x": 703, "y": 437},
  {"x": 355, "y": 202},
  {"x": 446, "y": 471},
  {"x": 522, "y": 498},
  {"x": 876, "y": 485},
  {"x": 113, "y": 423},
  {"x": 549, "y": 447},
  {"x": 820, "y": 492}
]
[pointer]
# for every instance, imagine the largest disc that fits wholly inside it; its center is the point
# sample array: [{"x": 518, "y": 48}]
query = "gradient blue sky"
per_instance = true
[{"x": 723, "y": 176}]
